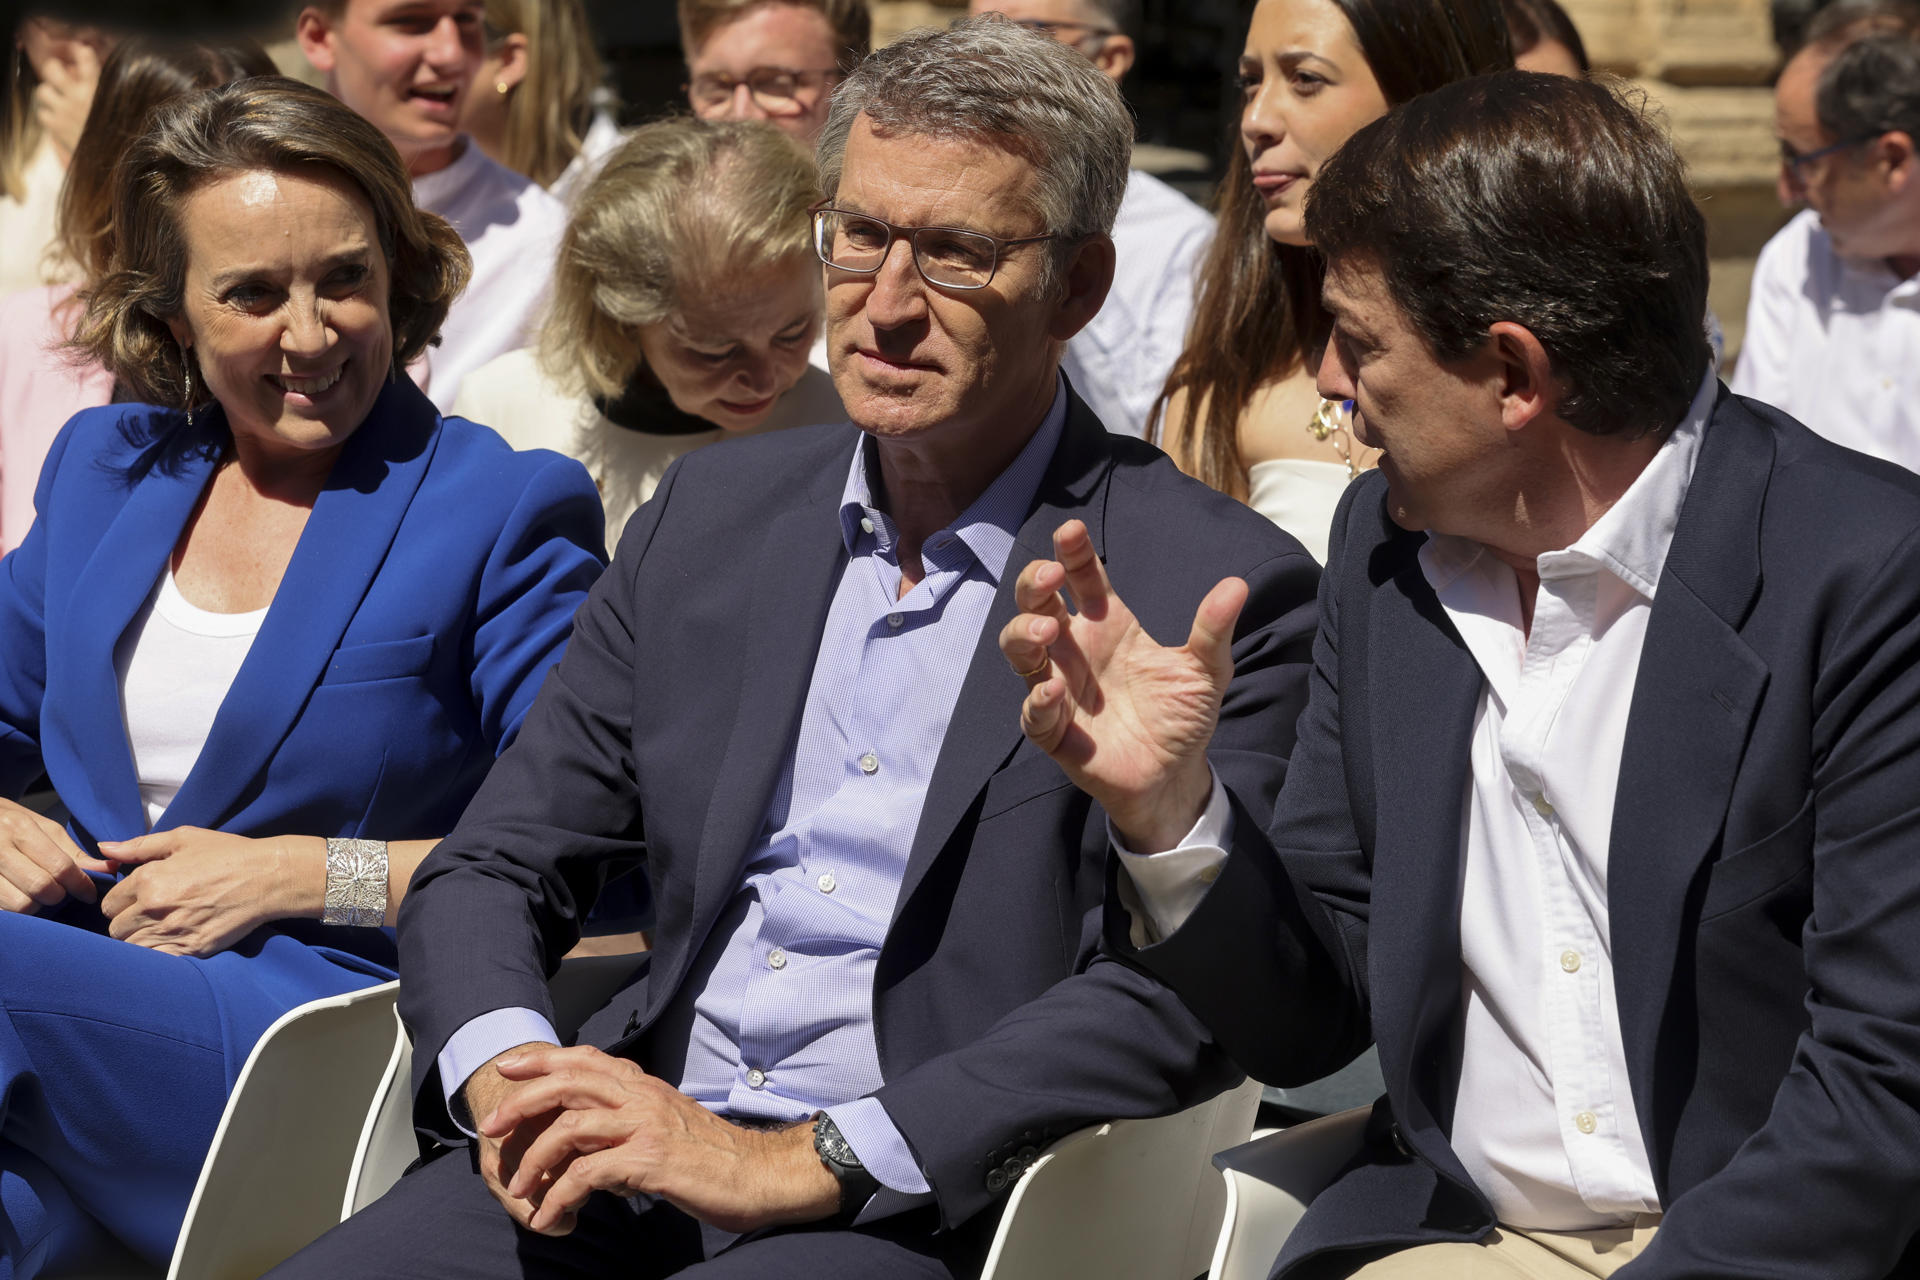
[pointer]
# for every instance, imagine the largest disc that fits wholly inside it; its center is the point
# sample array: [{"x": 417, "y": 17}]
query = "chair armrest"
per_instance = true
[{"x": 1270, "y": 1183}]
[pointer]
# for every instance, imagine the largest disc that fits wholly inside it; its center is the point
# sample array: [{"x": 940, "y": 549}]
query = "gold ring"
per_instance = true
[{"x": 1028, "y": 675}]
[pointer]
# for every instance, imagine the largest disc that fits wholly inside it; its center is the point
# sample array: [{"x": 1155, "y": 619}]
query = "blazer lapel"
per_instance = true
[
  {"x": 345, "y": 540},
  {"x": 1698, "y": 687},
  {"x": 1427, "y": 689},
  {"x": 117, "y": 580},
  {"x": 985, "y": 728},
  {"x": 800, "y": 560}
]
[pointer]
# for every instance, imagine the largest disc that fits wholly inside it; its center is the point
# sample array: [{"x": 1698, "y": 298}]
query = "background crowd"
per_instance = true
[{"x": 332, "y": 378}]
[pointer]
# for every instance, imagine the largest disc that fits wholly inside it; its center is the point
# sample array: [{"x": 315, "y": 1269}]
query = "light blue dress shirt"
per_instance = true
[{"x": 782, "y": 993}]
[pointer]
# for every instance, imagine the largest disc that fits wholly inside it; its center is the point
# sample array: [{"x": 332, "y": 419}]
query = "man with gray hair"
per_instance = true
[
  {"x": 1121, "y": 360},
  {"x": 873, "y": 995}
]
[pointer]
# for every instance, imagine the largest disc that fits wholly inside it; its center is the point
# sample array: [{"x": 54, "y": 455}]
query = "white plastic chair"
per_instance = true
[
  {"x": 1270, "y": 1181},
  {"x": 1126, "y": 1200}
]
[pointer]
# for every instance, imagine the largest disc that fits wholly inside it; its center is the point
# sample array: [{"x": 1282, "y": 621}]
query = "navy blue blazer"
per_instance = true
[
  {"x": 432, "y": 589},
  {"x": 1763, "y": 881},
  {"x": 660, "y": 738}
]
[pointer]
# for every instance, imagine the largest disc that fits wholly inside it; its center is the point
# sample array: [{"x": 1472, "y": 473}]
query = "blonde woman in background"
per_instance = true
[
  {"x": 685, "y": 301},
  {"x": 539, "y": 105},
  {"x": 50, "y": 78}
]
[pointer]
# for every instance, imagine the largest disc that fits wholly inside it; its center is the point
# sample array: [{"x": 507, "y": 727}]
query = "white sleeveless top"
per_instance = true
[
  {"x": 175, "y": 664},
  {"x": 1299, "y": 495}
]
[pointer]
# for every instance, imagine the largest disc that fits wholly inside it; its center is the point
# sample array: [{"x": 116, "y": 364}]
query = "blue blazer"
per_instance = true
[
  {"x": 433, "y": 587},
  {"x": 1763, "y": 879}
]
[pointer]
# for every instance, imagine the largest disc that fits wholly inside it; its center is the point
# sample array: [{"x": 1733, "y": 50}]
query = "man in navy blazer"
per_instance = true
[
  {"x": 873, "y": 994},
  {"x": 1603, "y": 815}
]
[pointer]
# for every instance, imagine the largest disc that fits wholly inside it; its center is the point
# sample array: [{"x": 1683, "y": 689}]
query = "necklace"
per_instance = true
[{"x": 1331, "y": 422}]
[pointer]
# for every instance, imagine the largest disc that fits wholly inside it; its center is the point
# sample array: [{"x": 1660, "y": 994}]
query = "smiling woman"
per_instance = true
[
  {"x": 267, "y": 633},
  {"x": 686, "y": 299}
]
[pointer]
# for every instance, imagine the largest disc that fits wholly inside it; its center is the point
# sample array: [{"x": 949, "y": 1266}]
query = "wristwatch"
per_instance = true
[{"x": 856, "y": 1184}]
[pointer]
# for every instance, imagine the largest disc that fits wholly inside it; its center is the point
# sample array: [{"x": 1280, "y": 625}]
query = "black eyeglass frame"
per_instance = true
[
  {"x": 1000, "y": 245},
  {"x": 802, "y": 77},
  {"x": 1796, "y": 164}
]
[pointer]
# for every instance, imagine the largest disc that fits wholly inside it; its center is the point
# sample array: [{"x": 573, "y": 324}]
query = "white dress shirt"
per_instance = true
[
  {"x": 1835, "y": 343},
  {"x": 1119, "y": 362},
  {"x": 1544, "y": 1119},
  {"x": 512, "y": 228}
]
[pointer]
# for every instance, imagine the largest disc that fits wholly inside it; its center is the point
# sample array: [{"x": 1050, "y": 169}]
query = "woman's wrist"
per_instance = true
[{"x": 301, "y": 876}]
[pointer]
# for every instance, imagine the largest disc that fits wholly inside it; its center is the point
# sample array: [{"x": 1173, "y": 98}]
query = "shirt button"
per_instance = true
[
  {"x": 827, "y": 882},
  {"x": 866, "y": 523},
  {"x": 1570, "y": 961},
  {"x": 1542, "y": 807},
  {"x": 1586, "y": 1122},
  {"x": 869, "y": 764},
  {"x": 895, "y": 619},
  {"x": 776, "y": 959},
  {"x": 756, "y": 1078},
  {"x": 1209, "y": 874}
]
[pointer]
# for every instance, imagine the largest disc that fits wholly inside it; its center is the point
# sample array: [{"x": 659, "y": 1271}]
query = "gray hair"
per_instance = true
[
  {"x": 985, "y": 79},
  {"x": 1872, "y": 88}
]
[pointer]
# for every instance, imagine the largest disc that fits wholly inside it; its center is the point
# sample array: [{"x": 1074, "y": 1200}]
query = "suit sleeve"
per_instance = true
[
  {"x": 1273, "y": 960},
  {"x": 500, "y": 901},
  {"x": 23, "y": 637},
  {"x": 1830, "y": 1184},
  {"x": 547, "y": 556},
  {"x": 1110, "y": 1040}
]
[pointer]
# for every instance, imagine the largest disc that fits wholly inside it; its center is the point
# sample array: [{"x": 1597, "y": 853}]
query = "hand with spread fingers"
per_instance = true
[
  {"x": 578, "y": 1120},
  {"x": 1128, "y": 718},
  {"x": 40, "y": 865}
]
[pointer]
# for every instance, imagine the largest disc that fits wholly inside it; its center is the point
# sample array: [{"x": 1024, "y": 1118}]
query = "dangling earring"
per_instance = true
[{"x": 186, "y": 367}]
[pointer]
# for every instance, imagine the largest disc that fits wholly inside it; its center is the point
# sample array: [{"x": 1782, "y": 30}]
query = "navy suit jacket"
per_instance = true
[
  {"x": 661, "y": 736},
  {"x": 432, "y": 588},
  {"x": 1763, "y": 878}
]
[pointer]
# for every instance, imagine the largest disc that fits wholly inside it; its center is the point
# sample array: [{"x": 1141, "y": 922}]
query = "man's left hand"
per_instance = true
[{"x": 620, "y": 1130}]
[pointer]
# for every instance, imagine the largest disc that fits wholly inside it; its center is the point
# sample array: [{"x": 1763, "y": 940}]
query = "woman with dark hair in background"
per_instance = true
[
  {"x": 266, "y": 622},
  {"x": 42, "y": 384},
  {"x": 1240, "y": 411}
]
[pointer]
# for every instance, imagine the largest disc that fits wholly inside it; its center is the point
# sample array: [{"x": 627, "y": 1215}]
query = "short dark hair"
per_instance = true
[
  {"x": 1529, "y": 22},
  {"x": 1542, "y": 200},
  {"x": 1872, "y": 87}
]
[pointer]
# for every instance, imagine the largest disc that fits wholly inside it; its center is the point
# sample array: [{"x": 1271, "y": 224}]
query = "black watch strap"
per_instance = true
[{"x": 857, "y": 1186}]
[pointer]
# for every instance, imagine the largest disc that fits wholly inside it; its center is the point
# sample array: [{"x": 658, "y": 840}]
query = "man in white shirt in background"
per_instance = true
[
  {"x": 1119, "y": 363},
  {"x": 1833, "y": 325},
  {"x": 1602, "y": 815},
  {"x": 407, "y": 66}
]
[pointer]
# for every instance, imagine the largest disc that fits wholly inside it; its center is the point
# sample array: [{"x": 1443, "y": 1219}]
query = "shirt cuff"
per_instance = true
[
  {"x": 480, "y": 1042},
  {"x": 870, "y": 1131},
  {"x": 1166, "y": 887}
]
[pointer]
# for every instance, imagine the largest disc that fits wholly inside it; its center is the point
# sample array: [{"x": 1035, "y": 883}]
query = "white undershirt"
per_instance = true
[{"x": 175, "y": 665}]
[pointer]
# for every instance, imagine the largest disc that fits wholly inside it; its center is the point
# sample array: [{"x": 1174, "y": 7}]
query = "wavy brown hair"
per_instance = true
[
  {"x": 1257, "y": 314},
  {"x": 266, "y": 123}
]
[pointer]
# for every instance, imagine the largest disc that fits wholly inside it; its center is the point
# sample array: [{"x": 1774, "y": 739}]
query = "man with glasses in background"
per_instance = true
[
  {"x": 1120, "y": 361},
  {"x": 1833, "y": 326},
  {"x": 873, "y": 997},
  {"x": 775, "y": 60}
]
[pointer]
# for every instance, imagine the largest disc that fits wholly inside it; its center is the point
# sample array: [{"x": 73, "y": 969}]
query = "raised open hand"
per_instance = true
[{"x": 1128, "y": 719}]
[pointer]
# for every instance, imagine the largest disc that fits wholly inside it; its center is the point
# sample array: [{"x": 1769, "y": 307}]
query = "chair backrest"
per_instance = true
[
  {"x": 1269, "y": 1183},
  {"x": 1127, "y": 1200},
  {"x": 271, "y": 1181}
]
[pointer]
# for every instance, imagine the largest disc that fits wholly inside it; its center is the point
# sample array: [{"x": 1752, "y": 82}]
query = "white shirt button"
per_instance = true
[
  {"x": 869, "y": 764},
  {"x": 1586, "y": 1122},
  {"x": 756, "y": 1078},
  {"x": 776, "y": 959},
  {"x": 1542, "y": 806},
  {"x": 1209, "y": 874},
  {"x": 895, "y": 619},
  {"x": 1570, "y": 961},
  {"x": 827, "y": 882},
  {"x": 866, "y": 523}
]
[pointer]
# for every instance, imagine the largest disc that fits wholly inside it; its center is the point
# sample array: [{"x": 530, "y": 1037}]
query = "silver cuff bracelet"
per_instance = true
[{"x": 356, "y": 883}]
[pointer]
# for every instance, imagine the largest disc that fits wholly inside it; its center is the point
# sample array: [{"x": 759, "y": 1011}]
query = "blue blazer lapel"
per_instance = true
[
  {"x": 1426, "y": 690},
  {"x": 83, "y": 710},
  {"x": 1698, "y": 687},
  {"x": 347, "y": 536},
  {"x": 793, "y": 585},
  {"x": 985, "y": 728}
]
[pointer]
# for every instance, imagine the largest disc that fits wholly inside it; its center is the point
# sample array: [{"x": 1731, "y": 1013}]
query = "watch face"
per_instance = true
[{"x": 831, "y": 1146}]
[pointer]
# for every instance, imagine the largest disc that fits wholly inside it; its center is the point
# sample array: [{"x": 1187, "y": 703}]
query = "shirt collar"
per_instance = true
[
  {"x": 990, "y": 525},
  {"x": 1631, "y": 539}
]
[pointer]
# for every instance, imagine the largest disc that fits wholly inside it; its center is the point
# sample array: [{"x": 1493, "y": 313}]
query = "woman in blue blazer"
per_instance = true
[{"x": 263, "y": 645}]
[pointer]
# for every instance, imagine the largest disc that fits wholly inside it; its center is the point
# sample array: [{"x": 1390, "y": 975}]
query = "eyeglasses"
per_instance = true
[
  {"x": 1795, "y": 162},
  {"x": 949, "y": 257},
  {"x": 776, "y": 90}
]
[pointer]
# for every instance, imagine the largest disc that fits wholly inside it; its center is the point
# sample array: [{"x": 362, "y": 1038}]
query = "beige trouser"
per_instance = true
[{"x": 1511, "y": 1253}]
